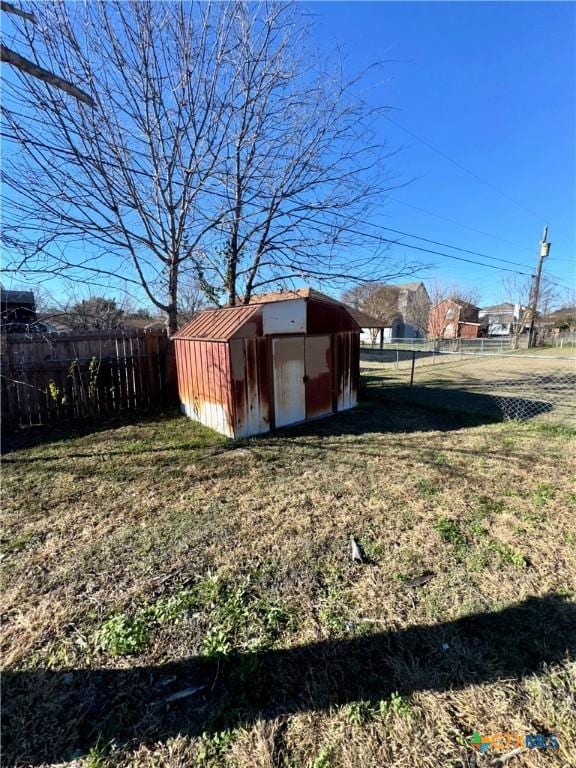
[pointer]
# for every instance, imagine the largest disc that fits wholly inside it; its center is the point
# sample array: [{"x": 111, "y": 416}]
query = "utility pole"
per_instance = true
[{"x": 535, "y": 292}]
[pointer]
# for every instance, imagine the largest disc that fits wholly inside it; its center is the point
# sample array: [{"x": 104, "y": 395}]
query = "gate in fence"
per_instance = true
[{"x": 56, "y": 377}]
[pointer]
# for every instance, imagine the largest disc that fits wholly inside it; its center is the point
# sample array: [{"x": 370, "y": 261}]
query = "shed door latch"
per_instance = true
[{"x": 304, "y": 379}]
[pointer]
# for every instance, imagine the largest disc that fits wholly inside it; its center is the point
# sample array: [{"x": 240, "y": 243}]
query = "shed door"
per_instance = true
[
  {"x": 289, "y": 387},
  {"x": 318, "y": 364}
]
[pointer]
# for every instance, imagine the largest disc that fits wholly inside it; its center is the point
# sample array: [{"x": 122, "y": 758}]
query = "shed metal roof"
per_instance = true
[{"x": 217, "y": 324}]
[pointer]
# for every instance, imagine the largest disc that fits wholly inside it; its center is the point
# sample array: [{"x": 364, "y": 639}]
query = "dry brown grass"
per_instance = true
[{"x": 218, "y": 547}]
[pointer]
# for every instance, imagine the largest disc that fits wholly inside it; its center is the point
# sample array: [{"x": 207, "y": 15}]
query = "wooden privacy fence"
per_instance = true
[{"x": 57, "y": 377}]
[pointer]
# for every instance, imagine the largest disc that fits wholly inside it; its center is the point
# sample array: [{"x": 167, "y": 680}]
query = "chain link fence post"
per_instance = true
[{"x": 412, "y": 369}]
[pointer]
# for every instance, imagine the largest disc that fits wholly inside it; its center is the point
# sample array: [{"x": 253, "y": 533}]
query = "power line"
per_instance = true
[
  {"x": 428, "y": 250},
  {"x": 472, "y": 173},
  {"x": 380, "y": 238},
  {"x": 445, "y": 245},
  {"x": 459, "y": 224},
  {"x": 558, "y": 281},
  {"x": 550, "y": 278}
]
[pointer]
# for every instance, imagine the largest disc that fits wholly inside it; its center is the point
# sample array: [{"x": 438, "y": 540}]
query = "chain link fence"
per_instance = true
[
  {"x": 545, "y": 340},
  {"x": 516, "y": 386}
]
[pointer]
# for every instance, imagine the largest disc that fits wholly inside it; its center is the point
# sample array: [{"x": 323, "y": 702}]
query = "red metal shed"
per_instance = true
[{"x": 282, "y": 359}]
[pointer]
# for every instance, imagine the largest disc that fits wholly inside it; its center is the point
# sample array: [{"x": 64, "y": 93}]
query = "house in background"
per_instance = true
[
  {"x": 563, "y": 319},
  {"x": 18, "y": 312},
  {"x": 375, "y": 330},
  {"x": 391, "y": 311},
  {"x": 503, "y": 319},
  {"x": 413, "y": 306},
  {"x": 454, "y": 319}
]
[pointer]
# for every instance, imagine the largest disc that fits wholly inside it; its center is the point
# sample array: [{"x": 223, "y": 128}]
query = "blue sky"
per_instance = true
[{"x": 492, "y": 86}]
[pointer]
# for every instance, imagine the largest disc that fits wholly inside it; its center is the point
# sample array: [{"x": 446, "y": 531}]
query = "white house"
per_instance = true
[
  {"x": 502, "y": 319},
  {"x": 395, "y": 312},
  {"x": 373, "y": 330}
]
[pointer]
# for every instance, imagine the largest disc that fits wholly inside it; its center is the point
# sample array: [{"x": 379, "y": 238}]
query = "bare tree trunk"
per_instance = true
[{"x": 172, "y": 310}]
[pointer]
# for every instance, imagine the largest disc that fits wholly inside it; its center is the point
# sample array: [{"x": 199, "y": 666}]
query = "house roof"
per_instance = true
[
  {"x": 217, "y": 324},
  {"x": 458, "y": 302},
  {"x": 506, "y": 306},
  {"x": 407, "y": 286},
  {"x": 562, "y": 312}
]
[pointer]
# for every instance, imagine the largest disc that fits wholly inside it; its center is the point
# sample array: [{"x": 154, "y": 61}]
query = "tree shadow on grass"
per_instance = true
[
  {"x": 457, "y": 400},
  {"x": 50, "y": 716},
  {"x": 371, "y": 416},
  {"x": 383, "y": 409},
  {"x": 30, "y": 437}
]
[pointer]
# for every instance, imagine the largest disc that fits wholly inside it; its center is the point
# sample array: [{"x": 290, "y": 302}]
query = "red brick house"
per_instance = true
[{"x": 453, "y": 319}]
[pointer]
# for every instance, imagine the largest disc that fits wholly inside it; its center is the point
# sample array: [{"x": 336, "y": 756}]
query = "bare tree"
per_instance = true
[
  {"x": 356, "y": 295},
  {"x": 95, "y": 314},
  {"x": 420, "y": 312},
  {"x": 439, "y": 290},
  {"x": 518, "y": 290},
  {"x": 191, "y": 297},
  {"x": 31, "y": 68},
  {"x": 302, "y": 166},
  {"x": 79, "y": 310},
  {"x": 382, "y": 302},
  {"x": 378, "y": 300},
  {"x": 127, "y": 191},
  {"x": 217, "y": 146}
]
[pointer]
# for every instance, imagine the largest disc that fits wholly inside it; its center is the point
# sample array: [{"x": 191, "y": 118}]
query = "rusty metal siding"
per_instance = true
[
  {"x": 318, "y": 368},
  {"x": 250, "y": 387},
  {"x": 203, "y": 369},
  {"x": 348, "y": 369},
  {"x": 325, "y": 317},
  {"x": 239, "y": 381}
]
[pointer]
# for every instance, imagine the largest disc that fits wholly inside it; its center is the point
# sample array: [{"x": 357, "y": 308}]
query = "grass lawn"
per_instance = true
[{"x": 174, "y": 599}]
